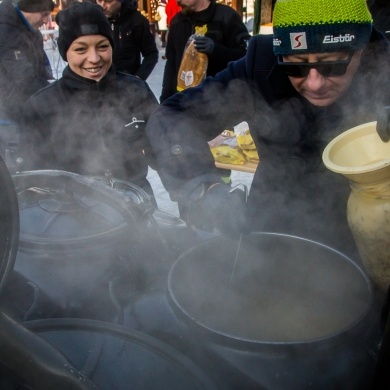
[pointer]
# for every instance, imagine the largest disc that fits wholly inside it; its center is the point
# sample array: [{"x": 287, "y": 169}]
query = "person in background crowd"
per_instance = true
[
  {"x": 162, "y": 23},
  {"x": 24, "y": 66},
  {"x": 225, "y": 40},
  {"x": 171, "y": 9},
  {"x": 91, "y": 121},
  {"x": 380, "y": 11},
  {"x": 324, "y": 70},
  {"x": 135, "y": 50}
]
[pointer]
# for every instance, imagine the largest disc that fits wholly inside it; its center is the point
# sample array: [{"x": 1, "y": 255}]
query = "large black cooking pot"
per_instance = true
[
  {"x": 73, "y": 240},
  {"x": 280, "y": 311},
  {"x": 14, "y": 338},
  {"x": 79, "y": 354},
  {"x": 86, "y": 243},
  {"x": 113, "y": 357}
]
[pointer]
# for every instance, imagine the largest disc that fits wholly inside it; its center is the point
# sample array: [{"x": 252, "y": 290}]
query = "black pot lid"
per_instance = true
[
  {"x": 60, "y": 208},
  {"x": 9, "y": 223}
]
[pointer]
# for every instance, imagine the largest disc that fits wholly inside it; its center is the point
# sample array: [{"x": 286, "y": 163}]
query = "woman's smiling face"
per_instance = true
[{"x": 90, "y": 56}]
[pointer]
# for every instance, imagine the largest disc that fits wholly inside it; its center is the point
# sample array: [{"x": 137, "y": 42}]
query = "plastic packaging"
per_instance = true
[
  {"x": 236, "y": 149},
  {"x": 193, "y": 65}
]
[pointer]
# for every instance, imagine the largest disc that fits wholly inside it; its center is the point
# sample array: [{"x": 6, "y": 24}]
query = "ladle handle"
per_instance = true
[{"x": 383, "y": 124}]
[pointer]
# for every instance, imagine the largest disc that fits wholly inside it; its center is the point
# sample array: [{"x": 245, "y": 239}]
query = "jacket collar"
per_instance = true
[
  {"x": 10, "y": 14},
  {"x": 24, "y": 20},
  {"x": 74, "y": 81}
]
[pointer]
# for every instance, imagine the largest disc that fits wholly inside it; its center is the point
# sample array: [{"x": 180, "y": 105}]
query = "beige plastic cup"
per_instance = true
[
  {"x": 359, "y": 151},
  {"x": 363, "y": 158}
]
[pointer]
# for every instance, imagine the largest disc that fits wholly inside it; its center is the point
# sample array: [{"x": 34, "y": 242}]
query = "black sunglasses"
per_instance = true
[{"x": 325, "y": 68}]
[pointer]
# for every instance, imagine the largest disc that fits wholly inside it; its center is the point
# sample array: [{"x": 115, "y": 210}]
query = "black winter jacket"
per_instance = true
[
  {"x": 81, "y": 126},
  {"x": 292, "y": 192},
  {"x": 135, "y": 50},
  {"x": 24, "y": 67},
  {"x": 380, "y": 11},
  {"x": 224, "y": 27}
]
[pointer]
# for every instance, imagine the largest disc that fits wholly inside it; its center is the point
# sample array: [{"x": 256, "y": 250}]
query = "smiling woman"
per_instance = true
[
  {"x": 94, "y": 124},
  {"x": 90, "y": 56}
]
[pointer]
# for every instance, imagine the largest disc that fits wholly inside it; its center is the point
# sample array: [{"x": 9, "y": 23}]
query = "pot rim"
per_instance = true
[
  {"x": 91, "y": 187},
  {"x": 149, "y": 342},
  {"x": 255, "y": 343}
]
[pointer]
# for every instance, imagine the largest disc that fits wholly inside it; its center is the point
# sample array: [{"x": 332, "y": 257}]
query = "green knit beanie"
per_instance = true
[{"x": 317, "y": 26}]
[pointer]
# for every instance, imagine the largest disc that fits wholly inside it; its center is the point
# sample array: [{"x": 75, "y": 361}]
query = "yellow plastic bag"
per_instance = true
[
  {"x": 251, "y": 155},
  {"x": 224, "y": 149},
  {"x": 193, "y": 65},
  {"x": 229, "y": 148},
  {"x": 228, "y": 155},
  {"x": 245, "y": 141}
]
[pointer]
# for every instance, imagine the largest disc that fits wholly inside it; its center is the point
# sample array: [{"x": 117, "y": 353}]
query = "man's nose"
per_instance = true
[{"x": 314, "y": 80}]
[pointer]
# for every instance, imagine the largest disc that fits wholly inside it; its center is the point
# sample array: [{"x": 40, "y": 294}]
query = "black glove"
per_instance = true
[
  {"x": 204, "y": 44},
  {"x": 221, "y": 207}
]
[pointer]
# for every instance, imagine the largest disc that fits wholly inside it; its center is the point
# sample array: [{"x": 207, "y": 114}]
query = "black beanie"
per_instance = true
[
  {"x": 81, "y": 19},
  {"x": 32, "y": 6}
]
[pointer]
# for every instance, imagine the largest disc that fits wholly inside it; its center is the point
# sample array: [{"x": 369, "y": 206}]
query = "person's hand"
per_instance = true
[
  {"x": 221, "y": 207},
  {"x": 204, "y": 44}
]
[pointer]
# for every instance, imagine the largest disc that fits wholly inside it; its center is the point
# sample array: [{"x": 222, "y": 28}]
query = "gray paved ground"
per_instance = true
[{"x": 155, "y": 82}]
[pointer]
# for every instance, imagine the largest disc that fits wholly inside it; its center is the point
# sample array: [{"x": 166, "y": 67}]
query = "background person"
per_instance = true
[
  {"x": 92, "y": 119},
  {"x": 24, "y": 66},
  {"x": 162, "y": 23},
  {"x": 135, "y": 50},
  {"x": 225, "y": 40},
  {"x": 171, "y": 9},
  {"x": 296, "y": 95}
]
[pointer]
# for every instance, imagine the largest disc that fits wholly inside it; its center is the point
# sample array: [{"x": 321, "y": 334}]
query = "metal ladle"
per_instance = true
[{"x": 240, "y": 239}]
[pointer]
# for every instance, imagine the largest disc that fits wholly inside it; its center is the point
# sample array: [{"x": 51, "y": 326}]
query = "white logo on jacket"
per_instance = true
[{"x": 135, "y": 122}]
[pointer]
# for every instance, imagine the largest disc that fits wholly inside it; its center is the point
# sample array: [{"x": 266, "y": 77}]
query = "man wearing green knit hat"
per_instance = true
[
  {"x": 324, "y": 70},
  {"x": 330, "y": 33}
]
